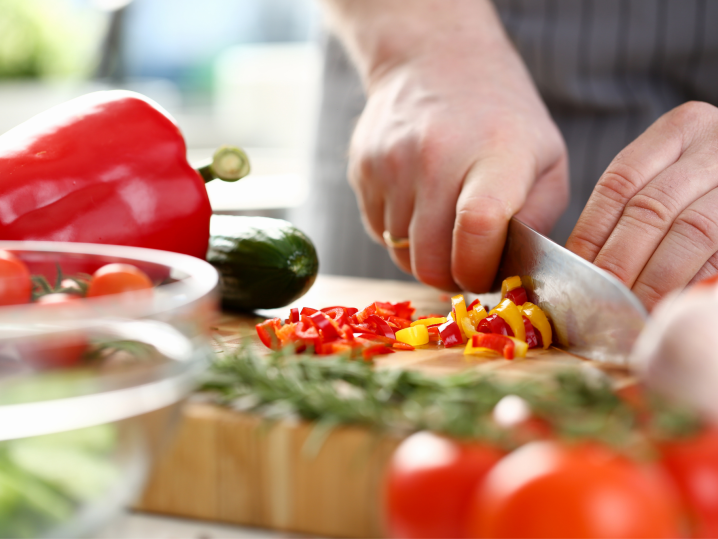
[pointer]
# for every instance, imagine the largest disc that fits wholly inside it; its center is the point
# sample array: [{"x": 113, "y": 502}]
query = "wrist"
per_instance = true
[{"x": 382, "y": 35}]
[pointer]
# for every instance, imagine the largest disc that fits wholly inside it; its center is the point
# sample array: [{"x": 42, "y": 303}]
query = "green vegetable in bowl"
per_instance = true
[{"x": 44, "y": 479}]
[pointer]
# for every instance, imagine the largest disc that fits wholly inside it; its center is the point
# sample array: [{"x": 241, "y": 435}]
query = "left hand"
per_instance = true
[{"x": 652, "y": 220}]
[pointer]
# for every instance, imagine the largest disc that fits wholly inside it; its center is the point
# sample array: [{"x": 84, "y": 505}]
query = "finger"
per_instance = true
[
  {"x": 690, "y": 243},
  {"x": 655, "y": 150},
  {"x": 709, "y": 269},
  {"x": 370, "y": 197},
  {"x": 547, "y": 199},
  {"x": 650, "y": 214},
  {"x": 430, "y": 233},
  {"x": 494, "y": 189},
  {"x": 397, "y": 218}
]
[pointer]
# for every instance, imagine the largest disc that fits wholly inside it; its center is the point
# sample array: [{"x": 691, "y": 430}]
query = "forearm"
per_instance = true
[{"x": 381, "y": 34}]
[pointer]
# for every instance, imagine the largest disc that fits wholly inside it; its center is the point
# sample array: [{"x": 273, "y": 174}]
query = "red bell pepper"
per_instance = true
[
  {"x": 533, "y": 337},
  {"x": 324, "y": 324},
  {"x": 499, "y": 343},
  {"x": 381, "y": 326},
  {"x": 450, "y": 334},
  {"x": 108, "y": 167},
  {"x": 518, "y": 296},
  {"x": 267, "y": 332},
  {"x": 294, "y": 315},
  {"x": 495, "y": 324}
]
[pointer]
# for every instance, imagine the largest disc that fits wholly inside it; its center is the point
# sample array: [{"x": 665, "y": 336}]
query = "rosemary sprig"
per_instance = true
[{"x": 337, "y": 391}]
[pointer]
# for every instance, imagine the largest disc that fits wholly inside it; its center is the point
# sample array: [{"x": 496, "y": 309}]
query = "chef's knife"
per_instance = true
[{"x": 593, "y": 314}]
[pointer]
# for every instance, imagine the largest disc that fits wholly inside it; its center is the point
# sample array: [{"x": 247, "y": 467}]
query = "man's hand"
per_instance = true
[
  {"x": 454, "y": 139},
  {"x": 652, "y": 220}
]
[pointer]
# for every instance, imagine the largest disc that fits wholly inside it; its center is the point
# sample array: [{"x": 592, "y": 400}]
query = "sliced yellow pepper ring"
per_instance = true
[
  {"x": 538, "y": 320},
  {"x": 429, "y": 321},
  {"x": 415, "y": 336},
  {"x": 512, "y": 316},
  {"x": 458, "y": 305},
  {"x": 477, "y": 314},
  {"x": 509, "y": 284}
]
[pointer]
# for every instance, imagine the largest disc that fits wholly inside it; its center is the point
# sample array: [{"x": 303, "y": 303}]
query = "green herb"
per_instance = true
[{"x": 575, "y": 403}]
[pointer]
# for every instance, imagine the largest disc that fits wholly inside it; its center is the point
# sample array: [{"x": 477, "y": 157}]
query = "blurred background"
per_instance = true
[
  {"x": 242, "y": 72},
  {"x": 260, "y": 74}
]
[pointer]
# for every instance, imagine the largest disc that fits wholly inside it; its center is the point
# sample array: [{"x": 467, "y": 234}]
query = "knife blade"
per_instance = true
[{"x": 593, "y": 314}]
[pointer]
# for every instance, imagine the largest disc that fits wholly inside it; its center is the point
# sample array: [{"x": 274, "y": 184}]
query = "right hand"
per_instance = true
[{"x": 452, "y": 143}]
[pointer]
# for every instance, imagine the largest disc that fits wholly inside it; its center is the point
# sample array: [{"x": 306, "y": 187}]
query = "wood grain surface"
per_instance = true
[{"x": 233, "y": 467}]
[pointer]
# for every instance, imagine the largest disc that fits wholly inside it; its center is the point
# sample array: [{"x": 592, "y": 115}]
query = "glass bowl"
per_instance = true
[{"x": 90, "y": 388}]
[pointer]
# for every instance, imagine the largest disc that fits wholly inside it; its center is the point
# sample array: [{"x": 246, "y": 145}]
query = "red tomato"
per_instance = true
[
  {"x": 54, "y": 351},
  {"x": 56, "y": 298},
  {"x": 116, "y": 279},
  {"x": 692, "y": 463},
  {"x": 552, "y": 489},
  {"x": 15, "y": 281},
  {"x": 429, "y": 484}
]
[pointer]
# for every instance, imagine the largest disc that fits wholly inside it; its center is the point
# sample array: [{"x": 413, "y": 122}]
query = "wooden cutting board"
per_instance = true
[{"x": 233, "y": 467}]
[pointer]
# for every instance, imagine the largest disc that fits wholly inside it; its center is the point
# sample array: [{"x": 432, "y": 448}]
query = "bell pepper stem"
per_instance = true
[{"x": 228, "y": 164}]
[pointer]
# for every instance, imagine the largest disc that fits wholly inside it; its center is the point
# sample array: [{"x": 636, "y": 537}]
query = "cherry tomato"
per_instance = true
[
  {"x": 15, "y": 281},
  {"x": 54, "y": 351},
  {"x": 57, "y": 298},
  {"x": 552, "y": 489},
  {"x": 429, "y": 484},
  {"x": 692, "y": 463},
  {"x": 116, "y": 279}
]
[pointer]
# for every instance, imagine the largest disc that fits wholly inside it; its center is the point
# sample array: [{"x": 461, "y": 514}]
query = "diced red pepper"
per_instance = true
[
  {"x": 450, "y": 334},
  {"x": 382, "y": 328},
  {"x": 434, "y": 333},
  {"x": 308, "y": 311},
  {"x": 375, "y": 350},
  {"x": 402, "y": 346},
  {"x": 267, "y": 332},
  {"x": 325, "y": 325},
  {"x": 518, "y": 296},
  {"x": 294, "y": 315},
  {"x": 404, "y": 310},
  {"x": 495, "y": 324},
  {"x": 499, "y": 343},
  {"x": 362, "y": 315},
  {"x": 338, "y": 314},
  {"x": 531, "y": 334},
  {"x": 473, "y": 303},
  {"x": 401, "y": 323},
  {"x": 375, "y": 337}
]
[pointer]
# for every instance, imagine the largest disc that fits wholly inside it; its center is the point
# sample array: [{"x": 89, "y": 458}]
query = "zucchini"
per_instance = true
[{"x": 263, "y": 263}]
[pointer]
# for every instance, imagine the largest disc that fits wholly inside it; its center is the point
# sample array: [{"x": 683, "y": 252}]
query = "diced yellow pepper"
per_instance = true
[
  {"x": 520, "y": 347},
  {"x": 468, "y": 328},
  {"x": 477, "y": 314},
  {"x": 538, "y": 320},
  {"x": 415, "y": 336},
  {"x": 458, "y": 305},
  {"x": 509, "y": 284},
  {"x": 512, "y": 316},
  {"x": 429, "y": 321},
  {"x": 471, "y": 350}
]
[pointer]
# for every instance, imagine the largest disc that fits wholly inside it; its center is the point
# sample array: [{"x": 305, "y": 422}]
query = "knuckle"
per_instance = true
[
  {"x": 620, "y": 182},
  {"x": 648, "y": 293},
  {"x": 481, "y": 216},
  {"x": 650, "y": 210},
  {"x": 697, "y": 227},
  {"x": 691, "y": 113},
  {"x": 616, "y": 267}
]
